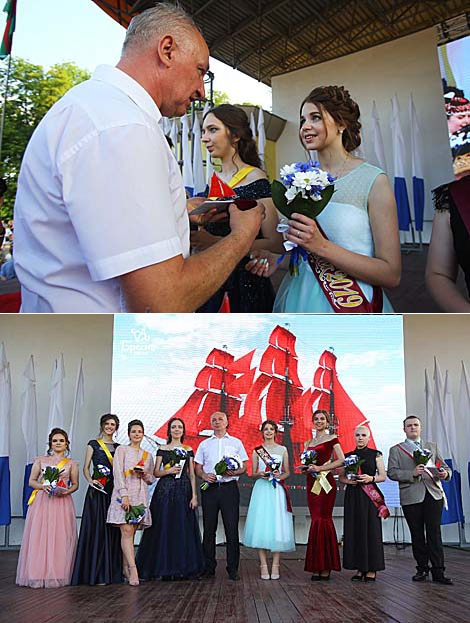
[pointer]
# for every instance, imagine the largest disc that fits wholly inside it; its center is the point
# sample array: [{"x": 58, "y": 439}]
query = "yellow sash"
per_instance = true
[
  {"x": 321, "y": 482},
  {"x": 59, "y": 466},
  {"x": 240, "y": 175},
  {"x": 105, "y": 450},
  {"x": 128, "y": 472}
]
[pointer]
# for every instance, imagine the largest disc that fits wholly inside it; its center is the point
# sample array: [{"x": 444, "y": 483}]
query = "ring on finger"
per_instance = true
[{"x": 298, "y": 233}]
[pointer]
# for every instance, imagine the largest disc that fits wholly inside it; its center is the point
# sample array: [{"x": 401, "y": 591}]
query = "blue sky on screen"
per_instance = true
[
  {"x": 58, "y": 31},
  {"x": 156, "y": 359}
]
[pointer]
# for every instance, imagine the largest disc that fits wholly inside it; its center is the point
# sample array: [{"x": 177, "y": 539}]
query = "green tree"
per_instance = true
[
  {"x": 32, "y": 90},
  {"x": 220, "y": 97}
]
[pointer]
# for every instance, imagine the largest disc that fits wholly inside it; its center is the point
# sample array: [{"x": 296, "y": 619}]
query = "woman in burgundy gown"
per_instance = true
[{"x": 322, "y": 549}]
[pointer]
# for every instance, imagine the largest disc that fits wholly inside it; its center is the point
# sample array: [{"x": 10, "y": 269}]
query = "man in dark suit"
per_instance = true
[{"x": 422, "y": 498}]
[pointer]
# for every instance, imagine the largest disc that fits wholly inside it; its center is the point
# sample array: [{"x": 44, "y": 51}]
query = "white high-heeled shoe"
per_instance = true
[
  {"x": 264, "y": 572},
  {"x": 275, "y": 572}
]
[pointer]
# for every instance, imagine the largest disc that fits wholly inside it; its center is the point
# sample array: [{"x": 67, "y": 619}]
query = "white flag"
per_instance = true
[
  {"x": 198, "y": 166},
  {"x": 401, "y": 191},
  {"x": 209, "y": 167},
  {"x": 78, "y": 401},
  {"x": 253, "y": 125},
  {"x": 29, "y": 411},
  {"x": 416, "y": 167},
  {"x": 166, "y": 125},
  {"x": 56, "y": 396},
  {"x": 429, "y": 405},
  {"x": 464, "y": 423},
  {"x": 5, "y": 403},
  {"x": 188, "y": 179},
  {"x": 261, "y": 136},
  {"x": 377, "y": 139}
]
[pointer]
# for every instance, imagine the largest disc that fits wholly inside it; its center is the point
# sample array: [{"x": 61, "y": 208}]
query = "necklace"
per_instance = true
[{"x": 341, "y": 171}]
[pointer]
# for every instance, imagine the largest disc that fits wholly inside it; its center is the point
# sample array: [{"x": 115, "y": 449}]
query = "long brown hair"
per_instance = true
[
  {"x": 236, "y": 121},
  {"x": 339, "y": 104}
]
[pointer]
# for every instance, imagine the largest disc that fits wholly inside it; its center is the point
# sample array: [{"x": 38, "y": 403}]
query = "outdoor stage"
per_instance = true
[{"x": 394, "y": 598}]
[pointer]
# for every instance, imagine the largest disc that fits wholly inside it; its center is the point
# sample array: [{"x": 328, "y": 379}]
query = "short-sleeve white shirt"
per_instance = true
[
  {"x": 213, "y": 449},
  {"x": 100, "y": 194}
]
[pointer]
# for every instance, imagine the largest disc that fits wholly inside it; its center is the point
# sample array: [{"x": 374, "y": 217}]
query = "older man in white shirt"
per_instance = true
[
  {"x": 222, "y": 494},
  {"x": 101, "y": 223}
]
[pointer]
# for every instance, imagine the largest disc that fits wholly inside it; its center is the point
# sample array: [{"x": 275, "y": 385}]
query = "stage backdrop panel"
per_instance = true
[{"x": 256, "y": 367}]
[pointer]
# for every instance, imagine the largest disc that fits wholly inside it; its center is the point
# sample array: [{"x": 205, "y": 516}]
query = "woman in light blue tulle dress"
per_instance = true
[
  {"x": 354, "y": 244},
  {"x": 269, "y": 524}
]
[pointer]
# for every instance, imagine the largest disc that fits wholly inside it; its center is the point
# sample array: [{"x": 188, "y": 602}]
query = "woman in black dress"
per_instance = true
[
  {"x": 228, "y": 137},
  {"x": 171, "y": 548},
  {"x": 363, "y": 546},
  {"x": 98, "y": 559}
]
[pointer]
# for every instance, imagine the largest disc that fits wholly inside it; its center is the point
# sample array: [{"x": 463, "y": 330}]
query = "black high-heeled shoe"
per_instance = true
[
  {"x": 358, "y": 577},
  {"x": 325, "y": 578},
  {"x": 369, "y": 578},
  {"x": 315, "y": 577}
]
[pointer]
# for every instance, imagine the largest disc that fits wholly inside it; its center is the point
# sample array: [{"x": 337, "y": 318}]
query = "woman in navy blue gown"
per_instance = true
[
  {"x": 171, "y": 548},
  {"x": 98, "y": 559}
]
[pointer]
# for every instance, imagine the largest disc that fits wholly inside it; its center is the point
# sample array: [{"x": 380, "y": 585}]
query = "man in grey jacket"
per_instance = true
[{"x": 421, "y": 497}]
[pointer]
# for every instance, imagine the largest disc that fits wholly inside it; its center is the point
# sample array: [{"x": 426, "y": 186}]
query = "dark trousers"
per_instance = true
[
  {"x": 424, "y": 522},
  {"x": 226, "y": 499}
]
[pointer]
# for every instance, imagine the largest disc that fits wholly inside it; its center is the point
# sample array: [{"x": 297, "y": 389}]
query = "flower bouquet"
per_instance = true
[
  {"x": 135, "y": 514},
  {"x": 101, "y": 474},
  {"x": 352, "y": 464},
  {"x": 227, "y": 463},
  {"x": 305, "y": 189},
  {"x": 421, "y": 456},
  {"x": 273, "y": 465},
  {"x": 308, "y": 457},
  {"x": 178, "y": 457},
  {"x": 54, "y": 481}
]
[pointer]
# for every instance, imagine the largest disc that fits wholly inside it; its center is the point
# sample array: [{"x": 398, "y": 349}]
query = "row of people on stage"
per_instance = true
[{"x": 117, "y": 504}]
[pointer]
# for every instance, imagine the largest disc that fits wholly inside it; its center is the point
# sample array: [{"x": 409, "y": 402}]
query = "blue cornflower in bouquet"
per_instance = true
[
  {"x": 135, "y": 514},
  {"x": 273, "y": 465},
  {"x": 308, "y": 457},
  {"x": 227, "y": 463},
  {"x": 421, "y": 456},
  {"x": 305, "y": 189},
  {"x": 351, "y": 465}
]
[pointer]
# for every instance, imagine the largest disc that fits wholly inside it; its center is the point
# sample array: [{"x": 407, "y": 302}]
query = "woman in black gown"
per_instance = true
[
  {"x": 363, "y": 546},
  {"x": 98, "y": 559},
  {"x": 171, "y": 548},
  {"x": 227, "y": 136}
]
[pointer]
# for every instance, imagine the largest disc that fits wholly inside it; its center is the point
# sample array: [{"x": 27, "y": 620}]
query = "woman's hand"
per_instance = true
[
  {"x": 314, "y": 468},
  {"x": 176, "y": 469},
  {"x": 47, "y": 489},
  {"x": 202, "y": 239},
  {"x": 193, "y": 502},
  {"x": 262, "y": 263},
  {"x": 305, "y": 233},
  {"x": 364, "y": 479},
  {"x": 125, "y": 505}
]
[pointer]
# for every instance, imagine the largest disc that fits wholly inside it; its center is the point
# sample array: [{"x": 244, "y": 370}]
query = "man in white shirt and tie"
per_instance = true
[
  {"x": 422, "y": 498},
  {"x": 222, "y": 494}
]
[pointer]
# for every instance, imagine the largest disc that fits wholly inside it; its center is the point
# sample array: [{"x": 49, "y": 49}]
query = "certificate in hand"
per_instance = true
[
  {"x": 434, "y": 471},
  {"x": 222, "y": 205}
]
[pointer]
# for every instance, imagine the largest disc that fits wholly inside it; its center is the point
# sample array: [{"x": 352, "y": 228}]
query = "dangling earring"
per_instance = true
[{"x": 340, "y": 131}]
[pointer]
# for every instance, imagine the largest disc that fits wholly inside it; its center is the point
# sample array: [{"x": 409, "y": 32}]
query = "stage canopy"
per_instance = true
[{"x": 265, "y": 38}]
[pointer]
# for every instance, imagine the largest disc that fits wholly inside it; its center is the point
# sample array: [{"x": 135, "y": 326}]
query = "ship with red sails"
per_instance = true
[{"x": 271, "y": 390}]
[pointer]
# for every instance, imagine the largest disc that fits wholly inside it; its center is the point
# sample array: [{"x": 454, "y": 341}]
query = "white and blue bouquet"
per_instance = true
[
  {"x": 351, "y": 465},
  {"x": 135, "y": 514},
  {"x": 308, "y": 457},
  {"x": 273, "y": 465},
  {"x": 227, "y": 463},
  {"x": 421, "y": 456},
  {"x": 305, "y": 189}
]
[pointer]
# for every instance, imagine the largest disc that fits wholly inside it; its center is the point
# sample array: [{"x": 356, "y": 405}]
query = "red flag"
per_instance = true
[
  {"x": 219, "y": 189},
  {"x": 10, "y": 10},
  {"x": 225, "y": 307}
]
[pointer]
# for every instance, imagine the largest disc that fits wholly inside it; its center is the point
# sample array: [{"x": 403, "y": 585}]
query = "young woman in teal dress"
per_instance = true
[
  {"x": 322, "y": 555},
  {"x": 269, "y": 524},
  {"x": 356, "y": 234},
  {"x": 98, "y": 559},
  {"x": 228, "y": 137}
]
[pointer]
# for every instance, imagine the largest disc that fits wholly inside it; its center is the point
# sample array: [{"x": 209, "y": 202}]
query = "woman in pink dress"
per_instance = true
[
  {"x": 133, "y": 471},
  {"x": 50, "y": 534},
  {"x": 322, "y": 548}
]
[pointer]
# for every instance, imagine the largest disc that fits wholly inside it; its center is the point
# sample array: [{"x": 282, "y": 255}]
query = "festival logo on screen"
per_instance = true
[{"x": 249, "y": 395}]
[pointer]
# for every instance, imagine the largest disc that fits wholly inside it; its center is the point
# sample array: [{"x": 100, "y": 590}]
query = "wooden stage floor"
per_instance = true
[{"x": 394, "y": 598}]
